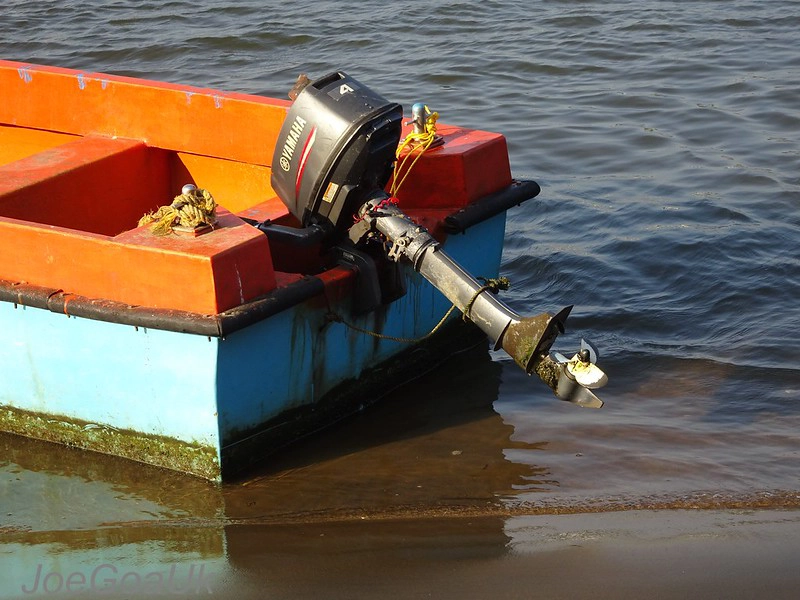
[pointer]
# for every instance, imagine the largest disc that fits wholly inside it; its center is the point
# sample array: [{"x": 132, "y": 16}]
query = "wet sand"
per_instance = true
[
  {"x": 632, "y": 554},
  {"x": 354, "y": 514},
  {"x": 417, "y": 498},
  {"x": 626, "y": 554}
]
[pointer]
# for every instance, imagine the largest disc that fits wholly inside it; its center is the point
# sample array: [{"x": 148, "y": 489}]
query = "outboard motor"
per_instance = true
[
  {"x": 333, "y": 159},
  {"x": 335, "y": 151}
]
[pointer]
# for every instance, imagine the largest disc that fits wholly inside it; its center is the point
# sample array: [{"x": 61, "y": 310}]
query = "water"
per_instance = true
[{"x": 664, "y": 136}]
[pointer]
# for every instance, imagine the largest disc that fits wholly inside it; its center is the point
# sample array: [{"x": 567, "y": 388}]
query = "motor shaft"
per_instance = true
[{"x": 526, "y": 339}]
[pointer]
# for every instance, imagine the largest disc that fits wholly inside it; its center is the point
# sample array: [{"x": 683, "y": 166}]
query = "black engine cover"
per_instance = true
[{"x": 335, "y": 151}]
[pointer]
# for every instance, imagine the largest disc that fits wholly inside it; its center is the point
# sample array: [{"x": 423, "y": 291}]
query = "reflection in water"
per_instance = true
[
  {"x": 52, "y": 487},
  {"x": 432, "y": 474},
  {"x": 433, "y": 449},
  {"x": 383, "y": 558},
  {"x": 434, "y": 445},
  {"x": 676, "y": 433},
  {"x": 75, "y": 522}
]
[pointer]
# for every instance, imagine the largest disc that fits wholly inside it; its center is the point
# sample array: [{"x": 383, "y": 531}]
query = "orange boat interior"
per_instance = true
[{"x": 83, "y": 156}]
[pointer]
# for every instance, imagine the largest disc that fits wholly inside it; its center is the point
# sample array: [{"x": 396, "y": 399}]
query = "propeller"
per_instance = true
[{"x": 579, "y": 375}]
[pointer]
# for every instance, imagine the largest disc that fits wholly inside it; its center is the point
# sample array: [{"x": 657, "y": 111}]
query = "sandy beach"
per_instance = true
[
  {"x": 636, "y": 554},
  {"x": 628, "y": 554}
]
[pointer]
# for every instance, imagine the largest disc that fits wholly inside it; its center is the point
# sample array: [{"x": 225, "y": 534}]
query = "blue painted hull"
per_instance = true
[{"x": 210, "y": 405}]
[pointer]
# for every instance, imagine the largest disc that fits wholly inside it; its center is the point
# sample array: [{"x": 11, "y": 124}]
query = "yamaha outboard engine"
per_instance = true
[
  {"x": 335, "y": 151},
  {"x": 333, "y": 159}
]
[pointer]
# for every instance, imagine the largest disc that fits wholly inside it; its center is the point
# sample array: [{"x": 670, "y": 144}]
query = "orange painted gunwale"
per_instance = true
[
  {"x": 224, "y": 138},
  {"x": 207, "y": 274},
  {"x": 184, "y": 118}
]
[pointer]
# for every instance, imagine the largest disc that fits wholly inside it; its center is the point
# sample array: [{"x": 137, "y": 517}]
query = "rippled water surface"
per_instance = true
[{"x": 665, "y": 138}]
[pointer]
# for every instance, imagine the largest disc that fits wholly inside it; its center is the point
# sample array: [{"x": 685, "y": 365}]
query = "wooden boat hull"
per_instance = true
[
  {"x": 207, "y": 404},
  {"x": 199, "y": 354}
]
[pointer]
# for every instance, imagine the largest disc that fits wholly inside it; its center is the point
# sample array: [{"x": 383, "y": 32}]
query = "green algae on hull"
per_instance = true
[{"x": 162, "y": 451}]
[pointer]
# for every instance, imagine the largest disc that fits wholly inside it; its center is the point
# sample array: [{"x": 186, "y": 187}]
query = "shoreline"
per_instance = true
[
  {"x": 630, "y": 554},
  {"x": 775, "y": 500},
  {"x": 728, "y": 553}
]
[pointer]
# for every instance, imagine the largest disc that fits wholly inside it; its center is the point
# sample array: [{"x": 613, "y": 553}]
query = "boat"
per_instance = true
[{"x": 194, "y": 278}]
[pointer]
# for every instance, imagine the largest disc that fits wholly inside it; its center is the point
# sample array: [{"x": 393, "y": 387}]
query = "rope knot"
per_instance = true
[
  {"x": 191, "y": 209},
  {"x": 492, "y": 284},
  {"x": 418, "y": 144},
  {"x": 495, "y": 284}
]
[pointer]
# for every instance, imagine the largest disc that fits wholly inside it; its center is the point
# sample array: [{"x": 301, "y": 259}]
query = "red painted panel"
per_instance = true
[{"x": 469, "y": 165}]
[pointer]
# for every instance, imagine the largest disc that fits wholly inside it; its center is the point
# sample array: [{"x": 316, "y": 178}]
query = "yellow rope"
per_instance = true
[
  {"x": 419, "y": 143},
  {"x": 492, "y": 285},
  {"x": 382, "y": 336},
  {"x": 191, "y": 209}
]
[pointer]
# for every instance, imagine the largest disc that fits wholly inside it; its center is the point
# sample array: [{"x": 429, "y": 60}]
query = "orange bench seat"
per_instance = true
[{"x": 68, "y": 220}]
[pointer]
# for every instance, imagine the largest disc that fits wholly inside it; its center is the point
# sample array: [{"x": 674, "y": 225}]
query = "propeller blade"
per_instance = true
[
  {"x": 593, "y": 354},
  {"x": 560, "y": 358},
  {"x": 584, "y": 398},
  {"x": 570, "y": 390},
  {"x": 588, "y": 374}
]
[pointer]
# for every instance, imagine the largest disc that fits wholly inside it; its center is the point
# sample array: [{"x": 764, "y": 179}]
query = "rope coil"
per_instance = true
[
  {"x": 191, "y": 209},
  {"x": 418, "y": 144}
]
